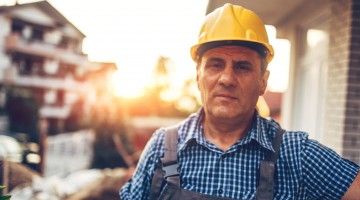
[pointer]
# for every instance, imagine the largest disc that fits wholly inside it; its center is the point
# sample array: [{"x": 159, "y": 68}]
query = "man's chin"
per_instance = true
[{"x": 224, "y": 113}]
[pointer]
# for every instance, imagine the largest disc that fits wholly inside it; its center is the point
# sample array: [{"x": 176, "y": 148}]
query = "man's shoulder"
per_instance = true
[
  {"x": 292, "y": 140},
  {"x": 293, "y": 144},
  {"x": 289, "y": 136},
  {"x": 295, "y": 137},
  {"x": 156, "y": 142}
]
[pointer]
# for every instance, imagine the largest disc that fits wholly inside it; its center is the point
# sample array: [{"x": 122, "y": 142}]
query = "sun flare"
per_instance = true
[{"x": 126, "y": 85}]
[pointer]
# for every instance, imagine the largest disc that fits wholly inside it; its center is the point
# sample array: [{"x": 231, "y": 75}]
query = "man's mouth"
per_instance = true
[{"x": 226, "y": 96}]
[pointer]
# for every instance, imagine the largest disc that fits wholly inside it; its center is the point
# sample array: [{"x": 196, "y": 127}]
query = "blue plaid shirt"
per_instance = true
[{"x": 305, "y": 168}]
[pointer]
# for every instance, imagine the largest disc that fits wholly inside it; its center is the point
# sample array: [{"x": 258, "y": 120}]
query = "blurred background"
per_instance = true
[{"x": 84, "y": 84}]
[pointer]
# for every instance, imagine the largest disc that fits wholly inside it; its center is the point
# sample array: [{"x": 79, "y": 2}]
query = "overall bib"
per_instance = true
[{"x": 165, "y": 183}]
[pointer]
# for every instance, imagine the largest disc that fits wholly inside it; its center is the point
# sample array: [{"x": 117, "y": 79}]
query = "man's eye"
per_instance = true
[
  {"x": 215, "y": 65},
  {"x": 242, "y": 67}
]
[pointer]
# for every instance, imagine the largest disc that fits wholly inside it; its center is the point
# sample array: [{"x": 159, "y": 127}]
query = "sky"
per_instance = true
[{"x": 134, "y": 33}]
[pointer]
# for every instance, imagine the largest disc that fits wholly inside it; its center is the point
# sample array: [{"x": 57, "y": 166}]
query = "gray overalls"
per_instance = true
[{"x": 165, "y": 183}]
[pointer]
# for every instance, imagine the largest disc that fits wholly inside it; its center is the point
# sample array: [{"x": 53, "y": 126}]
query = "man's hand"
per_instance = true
[{"x": 353, "y": 193}]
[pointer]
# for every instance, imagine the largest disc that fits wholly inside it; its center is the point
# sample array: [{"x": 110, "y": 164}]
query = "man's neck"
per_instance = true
[{"x": 225, "y": 133}]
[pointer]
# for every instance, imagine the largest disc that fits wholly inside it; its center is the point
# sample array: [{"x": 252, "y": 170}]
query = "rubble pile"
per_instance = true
[
  {"x": 105, "y": 188},
  {"x": 91, "y": 184}
]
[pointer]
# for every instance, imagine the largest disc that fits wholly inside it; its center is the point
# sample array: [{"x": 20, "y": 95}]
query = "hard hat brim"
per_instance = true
[{"x": 197, "y": 50}]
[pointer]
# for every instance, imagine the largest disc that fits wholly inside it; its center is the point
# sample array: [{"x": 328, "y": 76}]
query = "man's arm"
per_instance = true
[
  {"x": 353, "y": 193},
  {"x": 326, "y": 174}
]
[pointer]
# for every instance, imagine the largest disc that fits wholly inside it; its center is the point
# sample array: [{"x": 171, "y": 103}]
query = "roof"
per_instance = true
[
  {"x": 47, "y": 8},
  {"x": 271, "y": 12}
]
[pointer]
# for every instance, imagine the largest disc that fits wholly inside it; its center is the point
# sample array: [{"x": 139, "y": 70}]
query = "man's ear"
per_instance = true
[
  {"x": 197, "y": 74},
  {"x": 263, "y": 82}
]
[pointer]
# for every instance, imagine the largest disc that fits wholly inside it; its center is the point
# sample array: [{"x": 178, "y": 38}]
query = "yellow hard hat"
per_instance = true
[{"x": 233, "y": 24}]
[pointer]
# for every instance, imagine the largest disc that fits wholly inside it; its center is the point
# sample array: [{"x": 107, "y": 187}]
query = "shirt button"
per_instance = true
[{"x": 220, "y": 191}]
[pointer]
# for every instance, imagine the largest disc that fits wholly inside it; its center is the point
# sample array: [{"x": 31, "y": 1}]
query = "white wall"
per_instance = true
[
  {"x": 5, "y": 25},
  {"x": 303, "y": 105}
]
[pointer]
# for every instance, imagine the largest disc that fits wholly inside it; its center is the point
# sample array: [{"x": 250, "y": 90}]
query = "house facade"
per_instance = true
[{"x": 42, "y": 67}]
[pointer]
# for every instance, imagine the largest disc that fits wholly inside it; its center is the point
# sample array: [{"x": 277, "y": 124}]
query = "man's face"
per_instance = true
[{"x": 230, "y": 81}]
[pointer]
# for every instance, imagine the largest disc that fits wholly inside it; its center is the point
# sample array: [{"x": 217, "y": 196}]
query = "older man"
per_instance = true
[{"x": 226, "y": 150}]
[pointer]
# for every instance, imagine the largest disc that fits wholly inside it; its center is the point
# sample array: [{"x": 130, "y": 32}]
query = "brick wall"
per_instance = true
[
  {"x": 351, "y": 137},
  {"x": 341, "y": 130},
  {"x": 339, "y": 33}
]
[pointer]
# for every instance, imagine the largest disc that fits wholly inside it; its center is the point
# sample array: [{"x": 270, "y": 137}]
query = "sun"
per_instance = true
[{"x": 126, "y": 85}]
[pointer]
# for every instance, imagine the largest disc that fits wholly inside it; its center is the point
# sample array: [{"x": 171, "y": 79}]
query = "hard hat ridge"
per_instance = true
[{"x": 233, "y": 25}]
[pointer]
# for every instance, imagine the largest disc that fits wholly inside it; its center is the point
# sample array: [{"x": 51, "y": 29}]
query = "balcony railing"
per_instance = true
[
  {"x": 12, "y": 77},
  {"x": 61, "y": 112},
  {"x": 54, "y": 83},
  {"x": 14, "y": 42}
]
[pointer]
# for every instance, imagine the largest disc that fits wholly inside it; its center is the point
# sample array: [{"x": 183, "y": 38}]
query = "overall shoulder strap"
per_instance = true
[
  {"x": 265, "y": 189},
  {"x": 156, "y": 182},
  {"x": 166, "y": 168},
  {"x": 169, "y": 161},
  {"x": 276, "y": 143}
]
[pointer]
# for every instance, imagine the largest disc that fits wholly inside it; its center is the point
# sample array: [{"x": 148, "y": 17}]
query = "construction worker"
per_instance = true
[{"x": 226, "y": 150}]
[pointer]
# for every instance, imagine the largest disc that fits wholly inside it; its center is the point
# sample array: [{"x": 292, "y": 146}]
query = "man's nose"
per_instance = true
[{"x": 227, "y": 77}]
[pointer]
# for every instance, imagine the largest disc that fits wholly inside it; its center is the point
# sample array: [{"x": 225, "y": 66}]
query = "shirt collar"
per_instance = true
[
  {"x": 260, "y": 132},
  {"x": 192, "y": 131}
]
